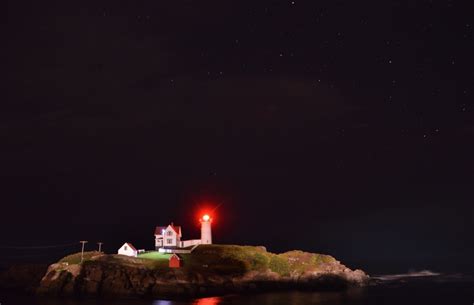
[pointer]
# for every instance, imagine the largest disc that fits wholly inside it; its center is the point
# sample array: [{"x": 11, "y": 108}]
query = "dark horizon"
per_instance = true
[{"x": 339, "y": 128}]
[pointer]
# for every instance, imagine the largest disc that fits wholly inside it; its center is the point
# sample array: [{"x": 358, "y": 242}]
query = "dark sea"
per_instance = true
[{"x": 413, "y": 288}]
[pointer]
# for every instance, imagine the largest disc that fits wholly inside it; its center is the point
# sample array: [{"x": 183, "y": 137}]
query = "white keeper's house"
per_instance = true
[{"x": 168, "y": 238}]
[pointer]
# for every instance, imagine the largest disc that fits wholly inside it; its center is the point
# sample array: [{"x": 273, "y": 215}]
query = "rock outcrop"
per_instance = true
[{"x": 115, "y": 276}]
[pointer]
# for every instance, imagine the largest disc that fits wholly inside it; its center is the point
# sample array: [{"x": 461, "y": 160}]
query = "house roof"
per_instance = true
[
  {"x": 131, "y": 246},
  {"x": 159, "y": 229},
  {"x": 177, "y": 229},
  {"x": 175, "y": 255}
]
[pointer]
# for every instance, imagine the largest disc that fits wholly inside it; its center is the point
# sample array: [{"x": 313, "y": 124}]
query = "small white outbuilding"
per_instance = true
[{"x": 128, "y": 249}]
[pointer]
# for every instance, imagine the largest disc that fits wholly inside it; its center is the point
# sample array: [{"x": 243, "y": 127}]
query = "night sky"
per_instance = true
[{"x": 339, "y": 127}]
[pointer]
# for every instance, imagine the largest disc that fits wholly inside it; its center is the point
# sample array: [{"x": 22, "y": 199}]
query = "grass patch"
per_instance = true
[
  {"x": 155, "y": 255},
  {"x": 279, "y": 265},
  {"x": 128, "y": 261},
  {"x": 227, "y": 259},
  {"x": 154, "y": 259},
  {"x": 299, "y": 261}
]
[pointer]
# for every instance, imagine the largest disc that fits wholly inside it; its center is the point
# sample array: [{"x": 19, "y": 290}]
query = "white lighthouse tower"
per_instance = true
[{"x": 206, "y": 233}]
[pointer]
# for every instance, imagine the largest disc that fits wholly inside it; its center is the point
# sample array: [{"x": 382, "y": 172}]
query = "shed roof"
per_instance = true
[
  {"x": 175, "y": 256},
  {"x": 131, "y": 246}
]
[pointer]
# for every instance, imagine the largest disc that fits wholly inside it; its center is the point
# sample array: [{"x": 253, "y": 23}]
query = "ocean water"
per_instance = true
[{"x": 416, "y": 288}]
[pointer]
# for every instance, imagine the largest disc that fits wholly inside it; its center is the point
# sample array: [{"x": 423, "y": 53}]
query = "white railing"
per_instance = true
[{"x": 189, "y": 243}]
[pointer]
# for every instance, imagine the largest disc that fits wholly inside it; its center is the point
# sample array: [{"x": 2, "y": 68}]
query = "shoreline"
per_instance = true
[{"x": 212, "y": 271}]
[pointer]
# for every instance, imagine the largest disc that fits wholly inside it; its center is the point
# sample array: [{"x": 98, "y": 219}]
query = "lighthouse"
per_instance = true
[
  {"x": 168, "y": 238},
  {"x": 206, "y": 233}
]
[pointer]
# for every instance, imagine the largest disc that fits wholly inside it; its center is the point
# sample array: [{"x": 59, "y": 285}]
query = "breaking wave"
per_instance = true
[
  {"x": 394, "y": 277},
  {"x": 422, "y": 276}
]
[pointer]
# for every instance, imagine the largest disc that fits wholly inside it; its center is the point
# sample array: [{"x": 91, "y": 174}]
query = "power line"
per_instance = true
[
  {"x": 33, "y": 255},
  {"x": 38, "y": 247}
]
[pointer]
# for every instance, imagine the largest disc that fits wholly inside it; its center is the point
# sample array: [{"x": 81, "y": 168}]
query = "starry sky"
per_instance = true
[{"x": 340, "y": 127}]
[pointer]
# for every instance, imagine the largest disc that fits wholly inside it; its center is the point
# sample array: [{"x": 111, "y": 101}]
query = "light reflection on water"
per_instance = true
[
  {"x": 208, "y": 301},
  {"x": 202, "y": 301},
  {"x": 278, "y": 298},
  {"x": 162, "y": 302}
]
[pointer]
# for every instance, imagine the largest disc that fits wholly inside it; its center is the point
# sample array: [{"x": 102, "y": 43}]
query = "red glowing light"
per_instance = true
[{"x": 206, "y": 217}]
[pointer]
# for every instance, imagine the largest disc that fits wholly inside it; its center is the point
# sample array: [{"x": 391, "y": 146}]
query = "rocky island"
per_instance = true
[{"x": 208, "y": 270}]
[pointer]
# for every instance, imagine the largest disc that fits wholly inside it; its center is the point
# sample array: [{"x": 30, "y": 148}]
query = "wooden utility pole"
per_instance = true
[
  {"x": 100, "y": 245},
  {"x": 83, "y": 242}
]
